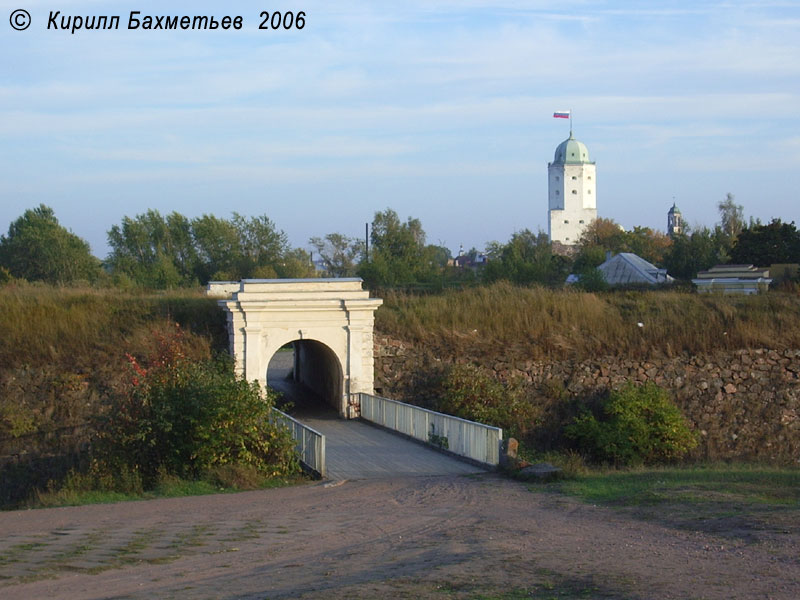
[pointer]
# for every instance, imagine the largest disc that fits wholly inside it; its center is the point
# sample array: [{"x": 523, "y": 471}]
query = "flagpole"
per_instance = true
[{"x": 570, "y": 122}]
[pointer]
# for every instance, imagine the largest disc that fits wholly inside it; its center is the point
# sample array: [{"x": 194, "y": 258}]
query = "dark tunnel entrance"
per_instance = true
[{"x": 308, "y": 374}]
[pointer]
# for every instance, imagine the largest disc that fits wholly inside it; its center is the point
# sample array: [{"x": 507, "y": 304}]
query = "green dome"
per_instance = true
[
  {"x": 571, "y": 151},
  {"x": 675, "y": 210}
]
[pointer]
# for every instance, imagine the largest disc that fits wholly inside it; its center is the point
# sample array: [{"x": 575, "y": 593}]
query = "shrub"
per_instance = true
[
  {"x": 179, "y": 416},
  {"x": 636, "y": 425},
  {"x": 471, "y": 393},
  {"x": 592, "y": 280}
]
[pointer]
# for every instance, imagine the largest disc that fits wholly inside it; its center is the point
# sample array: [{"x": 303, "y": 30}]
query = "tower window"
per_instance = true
[
  {"x": 574, "y": 178},
  {"x": 557, "y": 192},
  {"x": 588, "y": 191},
  {"x": 589, "y": 178},
  {"x": 566, "y": 222},
  {"x": 575, "y": 192},
  {"x": 581, "y": 221},
  {"x": 558, "y": 178}
]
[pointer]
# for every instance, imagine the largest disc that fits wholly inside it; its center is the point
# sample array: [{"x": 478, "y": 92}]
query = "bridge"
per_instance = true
[{"x": 312, "y": 340}]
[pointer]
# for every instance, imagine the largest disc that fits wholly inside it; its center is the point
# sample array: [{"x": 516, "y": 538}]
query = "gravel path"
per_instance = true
[{"x": 429, "y": 537}]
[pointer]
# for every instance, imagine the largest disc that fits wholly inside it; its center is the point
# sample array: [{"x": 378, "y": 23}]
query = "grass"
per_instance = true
[
  {"x": 171, "y": 487},
  {"x": 747, "y": 485},
  {"x": 736, "y": 497},
  {"x": 566, "y": 323},
  {"x": 71, "y": 326}
]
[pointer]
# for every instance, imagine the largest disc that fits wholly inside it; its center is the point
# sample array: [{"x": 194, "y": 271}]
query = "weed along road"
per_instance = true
[{"x": 456, "y": 536}]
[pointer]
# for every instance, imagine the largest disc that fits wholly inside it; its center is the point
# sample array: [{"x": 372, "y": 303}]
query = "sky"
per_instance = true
[{"x": 439, "y": 109}]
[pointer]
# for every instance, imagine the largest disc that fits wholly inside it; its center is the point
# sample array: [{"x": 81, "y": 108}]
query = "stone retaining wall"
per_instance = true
[
  {"x": 744, "y": 404},
  {"x": 33, "y": 460}
]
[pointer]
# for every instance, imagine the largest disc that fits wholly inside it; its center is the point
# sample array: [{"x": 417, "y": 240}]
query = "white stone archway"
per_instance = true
[{"x": 330, "y": 321}]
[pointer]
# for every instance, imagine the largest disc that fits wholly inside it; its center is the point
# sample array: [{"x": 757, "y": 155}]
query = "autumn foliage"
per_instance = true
[{"x": 180, "y": 415}]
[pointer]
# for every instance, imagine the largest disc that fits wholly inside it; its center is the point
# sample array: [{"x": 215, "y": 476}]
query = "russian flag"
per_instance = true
[{"x": 561, "y": 114}]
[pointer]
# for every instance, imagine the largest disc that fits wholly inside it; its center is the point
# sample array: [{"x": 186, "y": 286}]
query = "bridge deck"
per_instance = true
[{"x": 358, "y": 450}]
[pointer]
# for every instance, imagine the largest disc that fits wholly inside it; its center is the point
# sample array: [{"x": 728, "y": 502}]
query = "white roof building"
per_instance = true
[
  {"x": 628, "y": 268},
  {"x": 733, "y": 279}
]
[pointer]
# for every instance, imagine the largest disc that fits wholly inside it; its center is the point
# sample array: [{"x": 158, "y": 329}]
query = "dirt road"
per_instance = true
[{"x": 429, "y": 537}]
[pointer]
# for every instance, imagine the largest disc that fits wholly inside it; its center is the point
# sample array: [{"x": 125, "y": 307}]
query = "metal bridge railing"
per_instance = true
[
  {"x": 469, "y": 439},
  {"x": 310, "y": 443}
]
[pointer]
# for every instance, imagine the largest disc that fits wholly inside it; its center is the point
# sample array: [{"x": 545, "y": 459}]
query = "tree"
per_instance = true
[
  {"x": 527, "y": 258},
  {"x": 159, "y": 252},
  {"x": 588, "y": 259},
  {"x": 37, "y": 248},
  {"x": 439, "y": 255},
  {"x": 395, "y": 238},
  {"x": 399, "y": 255},
  {"x": 731, "y": 216},
  {"x": 338, "y": 253},
  {"x": 764, "y": 245},
  {"x": 605, "y": 235},
  {"x": 154, "y": 251},
  {"x": 296, "y": 264},
  {"x": 695, "y": 251},
  {"x": 218, "y": 249},
  {"x": 649, "y": 244},
  {"x": 262, "y": 244}
]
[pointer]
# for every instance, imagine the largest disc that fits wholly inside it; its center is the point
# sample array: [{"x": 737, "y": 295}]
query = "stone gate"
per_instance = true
[{"x": 329, "y": 322}]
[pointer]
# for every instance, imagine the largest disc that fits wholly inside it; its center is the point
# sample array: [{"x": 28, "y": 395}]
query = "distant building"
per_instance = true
[
  {"x": 571, "y": 192},
  {"x": 627, "y": 268},
  {"x": 564, "y": 249},
  {"x": 470, "y": 260},
  {"x": 674, "y": 221},
  {"x": 733, "y": 279}
]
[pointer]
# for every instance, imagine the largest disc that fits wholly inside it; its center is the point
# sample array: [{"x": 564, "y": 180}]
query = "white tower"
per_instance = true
[{"x": 571, "y": 192}]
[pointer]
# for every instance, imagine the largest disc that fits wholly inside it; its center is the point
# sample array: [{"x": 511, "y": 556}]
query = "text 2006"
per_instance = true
[{"x": 279, "y": 20}]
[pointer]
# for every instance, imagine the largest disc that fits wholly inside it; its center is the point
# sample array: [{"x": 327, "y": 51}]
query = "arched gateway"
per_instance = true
[{"x": 329, "y": 321}]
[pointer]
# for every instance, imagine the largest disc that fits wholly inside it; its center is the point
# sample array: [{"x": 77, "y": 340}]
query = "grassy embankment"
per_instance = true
[
  {"x": 78, "y": 328},
  {"x": 493, "y": 322},
  {"x": 547, "y": 323},
  {"x": 62, "y": 350},
  {"x": 62, "y": 354}
]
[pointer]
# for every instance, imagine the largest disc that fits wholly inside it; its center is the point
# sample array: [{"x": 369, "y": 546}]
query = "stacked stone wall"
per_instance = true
[
  {"x": 744, "y": 404},
  {"x": 31, "y": 461}
]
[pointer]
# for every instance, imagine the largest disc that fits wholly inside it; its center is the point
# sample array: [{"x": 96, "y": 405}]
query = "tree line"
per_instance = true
[
  {"x": 151, "y": 250},
  {"x": 155, "y": 251}
]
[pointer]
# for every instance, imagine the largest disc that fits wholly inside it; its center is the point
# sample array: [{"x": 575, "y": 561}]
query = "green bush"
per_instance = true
[
  {"x": 636, "y": 425},
  {"x": 472, "y": 393},
  {"x": 182, "y": 417},
  {"x": 592, "y": 280}
]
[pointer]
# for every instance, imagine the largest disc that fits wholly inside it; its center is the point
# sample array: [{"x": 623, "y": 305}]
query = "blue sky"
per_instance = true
[{"x": 441, "y": 110}]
